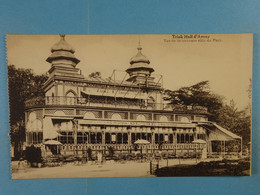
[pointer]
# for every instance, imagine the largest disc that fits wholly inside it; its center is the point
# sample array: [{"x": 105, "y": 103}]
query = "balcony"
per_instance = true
[{"x": 138, "y": 104}]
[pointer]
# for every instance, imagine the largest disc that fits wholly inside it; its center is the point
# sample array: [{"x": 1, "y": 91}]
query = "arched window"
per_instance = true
[
  {"x": 59, "y": 113},
  {"x": 185, "y": 119},
  {"x": 163, "y": 119},
  {"x": 116, "y": 116},
  {"x": 178, "y": 138},
  {"x": 89, "y": 115},
  {"x": 32, "y": 116},
  {"x": 141, "y": 117},
  {"x": 70, "y": 97}
]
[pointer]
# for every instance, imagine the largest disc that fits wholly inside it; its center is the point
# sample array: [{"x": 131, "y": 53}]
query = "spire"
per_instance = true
[{"x": 139, "y": 48}]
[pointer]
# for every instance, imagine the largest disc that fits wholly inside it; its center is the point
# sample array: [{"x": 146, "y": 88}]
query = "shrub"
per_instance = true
[{"x": 33, "y": 155}]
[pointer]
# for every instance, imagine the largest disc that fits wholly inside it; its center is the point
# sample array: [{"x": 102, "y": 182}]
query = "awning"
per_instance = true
[
  {"x": 199, "y": 141},
  {"x": 52, "y": 142},
  {"x": 49, "y": 131},
  {"x": 221, "y": 134},
  {"x": 141, "y": 141}
]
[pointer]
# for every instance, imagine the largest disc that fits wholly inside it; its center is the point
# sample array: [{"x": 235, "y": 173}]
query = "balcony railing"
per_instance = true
[{"x": 80, "y": 101}]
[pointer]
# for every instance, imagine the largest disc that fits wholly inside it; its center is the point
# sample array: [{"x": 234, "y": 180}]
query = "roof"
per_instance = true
[
  {"x": 62, "y": 45},
  {"x": 62, "y": 50},
  {"x": 222, "y": 134},
  {"x": 229, "y": 133},
  {"x": 140, "y": 61},
  {"x": 139, "y": 57}
]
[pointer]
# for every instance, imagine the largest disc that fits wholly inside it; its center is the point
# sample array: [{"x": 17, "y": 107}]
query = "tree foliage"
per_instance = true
[
  {"x": 23, "y": 84},
  {"x": 196, "y": 95},
  {"x": 95, "y": 75},
  {"x": 226, "y": 115}
]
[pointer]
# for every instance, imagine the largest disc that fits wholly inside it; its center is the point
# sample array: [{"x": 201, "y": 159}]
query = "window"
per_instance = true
[
  {"x": 92, "y": 138},
  {"x": 116, "y": 116},
  {"x": 191, "y": 138},
  {"x": 70, "y": 98},
  {"x": 80, "y": 138},
  {"x": 89, "y": 115},
  {"x": 140, "y": 117},
  {"x": 185, "y": 119},
  {"x": 133, "y": 138},
  {"x": 182, "y": 138},
  {"x": 161, "y": 138},
  {"x": 144, "y": 136},
  {"x": 63, "y": 138},
  {"x": 99, "y": 138},
  {"x": 156, "y": 138},
  {"x": 70, "y": 138},
  {"x": 171, "y": 138},
  {"x": 107, "y": 138},
  {"x": 163, "y": 119},
  {"x": 138, "y": 136},
  {"x": 149, "y": 137},
  {"x": 119, "y": 138},
  {"x": 125, "y": 138},
  {"x": 187, "y": 138}
]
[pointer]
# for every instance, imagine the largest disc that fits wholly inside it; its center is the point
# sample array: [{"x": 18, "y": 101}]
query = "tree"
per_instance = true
[
  {"x": 226, "y": 115},
  {"x": 95, "y": 75},
  {"x": 196, "y": 95},
  {"x": 237, "y": 121},
  {"x": 23, "y": 84}
]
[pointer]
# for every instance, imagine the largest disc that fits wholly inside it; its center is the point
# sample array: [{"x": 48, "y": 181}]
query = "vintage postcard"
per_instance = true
[{"x": 130, "y": 105}]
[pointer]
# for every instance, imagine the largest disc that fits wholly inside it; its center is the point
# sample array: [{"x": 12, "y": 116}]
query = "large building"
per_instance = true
[{"x": 98, "y": 113}]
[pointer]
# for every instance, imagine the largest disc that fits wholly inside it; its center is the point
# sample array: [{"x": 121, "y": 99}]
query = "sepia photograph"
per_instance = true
[{"x": 168, "y": 105}]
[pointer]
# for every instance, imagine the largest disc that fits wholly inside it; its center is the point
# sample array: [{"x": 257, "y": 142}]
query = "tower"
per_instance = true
[
  {"x": 140, "y": 69},
  {"x": 63, "y": 62},
  {"x": 63, "y": 66}
]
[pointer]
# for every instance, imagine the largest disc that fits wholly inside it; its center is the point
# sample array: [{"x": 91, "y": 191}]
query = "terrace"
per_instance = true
[{"x": 115, "y": 103}]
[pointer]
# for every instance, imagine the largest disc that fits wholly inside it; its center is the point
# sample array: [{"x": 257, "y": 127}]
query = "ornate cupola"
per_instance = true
[
  {"x": 63, "y": 62},
  {"x": 140, "y": 69}
]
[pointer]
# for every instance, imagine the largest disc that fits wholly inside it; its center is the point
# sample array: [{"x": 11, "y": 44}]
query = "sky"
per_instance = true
[{"x": 183, "y": 60}]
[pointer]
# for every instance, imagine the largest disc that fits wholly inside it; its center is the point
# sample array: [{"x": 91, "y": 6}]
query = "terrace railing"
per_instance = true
[{"x": 117, "y": 103}]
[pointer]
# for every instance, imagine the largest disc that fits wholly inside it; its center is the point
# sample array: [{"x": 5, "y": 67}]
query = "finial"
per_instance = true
[
  {"x": 62, "y": 37},
  {"x": 139, "y": 48}
]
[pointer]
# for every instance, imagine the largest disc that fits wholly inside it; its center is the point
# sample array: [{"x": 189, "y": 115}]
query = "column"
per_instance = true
[{"x": 103, "y": 140}]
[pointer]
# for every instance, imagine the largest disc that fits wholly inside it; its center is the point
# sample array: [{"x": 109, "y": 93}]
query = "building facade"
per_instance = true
[{"x": 98, "y": 113}]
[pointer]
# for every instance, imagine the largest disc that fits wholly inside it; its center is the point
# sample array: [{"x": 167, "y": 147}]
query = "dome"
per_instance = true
[
  {"x": 139, "y": 57},
  {"x": 62, "y": 45},
  {"x": 139, "y": 62},
  {"x": 62, "y": 50}
]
